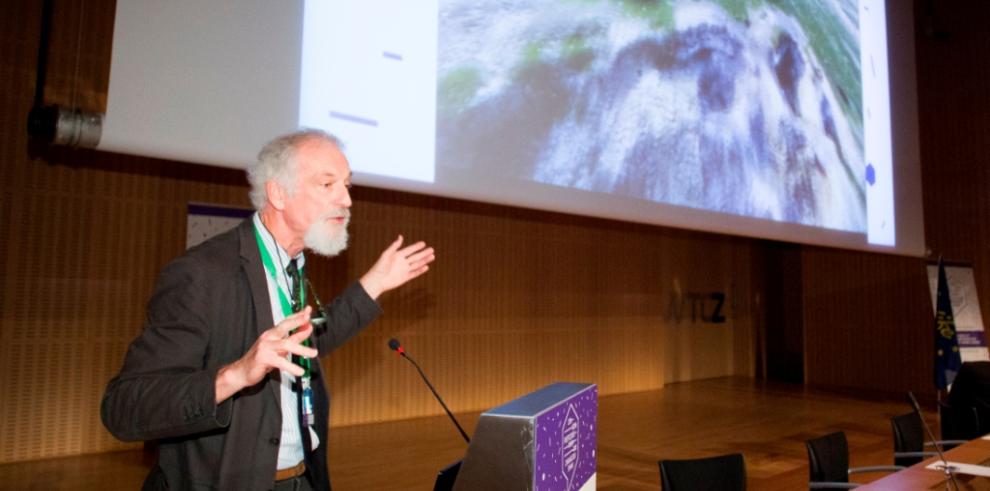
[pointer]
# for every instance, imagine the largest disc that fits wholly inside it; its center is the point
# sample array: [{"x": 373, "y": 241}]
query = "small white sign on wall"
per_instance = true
[{"x": 206, "y": 221}]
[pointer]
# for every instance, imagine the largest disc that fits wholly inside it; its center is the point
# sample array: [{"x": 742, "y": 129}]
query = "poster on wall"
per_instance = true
[
  {"x": 204, "y": 221},
  {"x": 965, "y": 309}
]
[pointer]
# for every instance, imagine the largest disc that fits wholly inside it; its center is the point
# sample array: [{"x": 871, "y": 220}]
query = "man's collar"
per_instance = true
[{"x": 273, "y": 246}]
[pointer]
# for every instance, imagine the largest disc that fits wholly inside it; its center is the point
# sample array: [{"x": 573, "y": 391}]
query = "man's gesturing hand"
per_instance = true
[
  {"x": 268, "y": 352},
  {"x": 396, "y": 266}
]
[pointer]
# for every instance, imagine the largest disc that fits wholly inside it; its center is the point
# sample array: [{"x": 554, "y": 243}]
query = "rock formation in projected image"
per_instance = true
[{"x": 748, "y": 107}]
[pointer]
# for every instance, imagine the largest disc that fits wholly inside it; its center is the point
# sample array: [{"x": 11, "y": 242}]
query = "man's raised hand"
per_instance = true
[
  {"x": 270, "y": 351},
  {"x": 397, "y": 266}
]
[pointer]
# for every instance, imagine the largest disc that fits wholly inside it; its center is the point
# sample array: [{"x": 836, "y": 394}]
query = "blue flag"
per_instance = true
[{"x": 947, "y": 359}]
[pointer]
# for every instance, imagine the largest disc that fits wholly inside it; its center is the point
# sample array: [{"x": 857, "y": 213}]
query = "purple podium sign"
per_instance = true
[
  {"x": 545, "y": 441},
  {"x": 566, "y": 437}
]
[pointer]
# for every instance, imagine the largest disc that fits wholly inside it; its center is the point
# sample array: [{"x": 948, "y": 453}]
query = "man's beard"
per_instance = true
[{"x": 328, "y": 238}]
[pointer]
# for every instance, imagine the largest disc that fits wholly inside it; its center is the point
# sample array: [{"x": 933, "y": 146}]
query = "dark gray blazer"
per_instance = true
[{"x": 208, "y": 308}]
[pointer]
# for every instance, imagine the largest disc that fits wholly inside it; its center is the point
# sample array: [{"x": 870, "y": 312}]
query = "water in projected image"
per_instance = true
[{"x": 748, "y": 107}]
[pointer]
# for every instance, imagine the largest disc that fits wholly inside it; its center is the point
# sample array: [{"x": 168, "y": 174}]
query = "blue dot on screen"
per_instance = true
[{"x": 871, "y": 174}]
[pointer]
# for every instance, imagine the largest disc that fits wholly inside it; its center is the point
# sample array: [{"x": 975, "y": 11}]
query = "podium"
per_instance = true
[{"x": 543, "y": 441}]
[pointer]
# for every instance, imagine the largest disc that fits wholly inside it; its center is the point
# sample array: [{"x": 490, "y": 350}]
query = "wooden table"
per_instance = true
[{"x": 918, "y": 477}]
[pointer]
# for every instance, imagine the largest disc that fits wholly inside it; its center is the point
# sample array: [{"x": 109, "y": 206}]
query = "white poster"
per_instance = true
[
  {"x": 205, "y": 221},
  {"x": 965, "y": 310}
]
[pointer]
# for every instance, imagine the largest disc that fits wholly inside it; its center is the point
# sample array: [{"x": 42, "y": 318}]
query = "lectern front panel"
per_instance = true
[{"x": 544, "y": 441}]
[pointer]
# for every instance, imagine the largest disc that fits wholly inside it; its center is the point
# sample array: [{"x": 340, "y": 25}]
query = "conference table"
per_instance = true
[{"x": 919, "y": 476}]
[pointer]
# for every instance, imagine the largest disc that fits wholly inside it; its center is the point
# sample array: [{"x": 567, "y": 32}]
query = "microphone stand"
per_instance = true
[
  {"x": 402, "y": 352},
  {"x": 949, "y": 470}
]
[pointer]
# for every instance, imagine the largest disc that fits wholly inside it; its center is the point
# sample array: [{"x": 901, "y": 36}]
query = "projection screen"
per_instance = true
[{"x": 790, "y": 120}]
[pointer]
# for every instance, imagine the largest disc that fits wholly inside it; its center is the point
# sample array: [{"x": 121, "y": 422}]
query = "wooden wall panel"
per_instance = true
[
  {"x": 868, "y": 322},
  {"x": 868, "y": 317},
  {"x": 516, "y": 299},
  {"x": 954, "y": 107}
]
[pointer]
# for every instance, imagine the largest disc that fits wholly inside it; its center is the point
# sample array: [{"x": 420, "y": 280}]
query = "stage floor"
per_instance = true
[{"x": 767, "y": 422}]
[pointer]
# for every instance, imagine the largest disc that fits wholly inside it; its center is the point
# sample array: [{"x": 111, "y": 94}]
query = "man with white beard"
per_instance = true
[{"x": 233, "y": 402}]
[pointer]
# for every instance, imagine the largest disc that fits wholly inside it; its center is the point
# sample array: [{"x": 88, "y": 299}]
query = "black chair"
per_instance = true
[
  {"x": 959, "y": 422},
  {"x": 909, "y": 440},
  {"x": 971, "y": 389},
  {"x": 828, "y": 463},
  {"x": 720, "y": 473}
]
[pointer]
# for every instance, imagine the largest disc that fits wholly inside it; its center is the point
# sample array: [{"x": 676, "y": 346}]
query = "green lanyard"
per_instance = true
[{"x": 283, "y": 299}]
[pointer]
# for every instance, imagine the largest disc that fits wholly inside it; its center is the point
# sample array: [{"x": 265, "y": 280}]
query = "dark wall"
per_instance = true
[
  {"x": 867, "y": 316},
  {"x": 784, "y": 320}
]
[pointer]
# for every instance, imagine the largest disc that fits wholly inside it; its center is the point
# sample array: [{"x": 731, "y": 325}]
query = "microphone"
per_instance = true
[
  {"x": 319, "y": 316},
  {"x": 949, "y": 470},
  {"x": 394, "y": 345}
]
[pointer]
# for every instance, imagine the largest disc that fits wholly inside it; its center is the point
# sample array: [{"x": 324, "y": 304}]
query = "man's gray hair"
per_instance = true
[{"x": 277, "y": 162}]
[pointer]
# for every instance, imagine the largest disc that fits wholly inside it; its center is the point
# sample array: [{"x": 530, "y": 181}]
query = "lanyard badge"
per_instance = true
[{"x": 298, "y": 296}]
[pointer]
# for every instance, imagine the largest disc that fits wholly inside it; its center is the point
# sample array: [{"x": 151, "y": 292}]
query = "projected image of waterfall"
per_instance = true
[{"x": 748, "y": 107}]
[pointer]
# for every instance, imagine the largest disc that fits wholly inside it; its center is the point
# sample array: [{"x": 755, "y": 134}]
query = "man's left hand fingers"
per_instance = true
[
  {"x": 411, "y": 249},
  {"x": 426, "y": 255}
]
